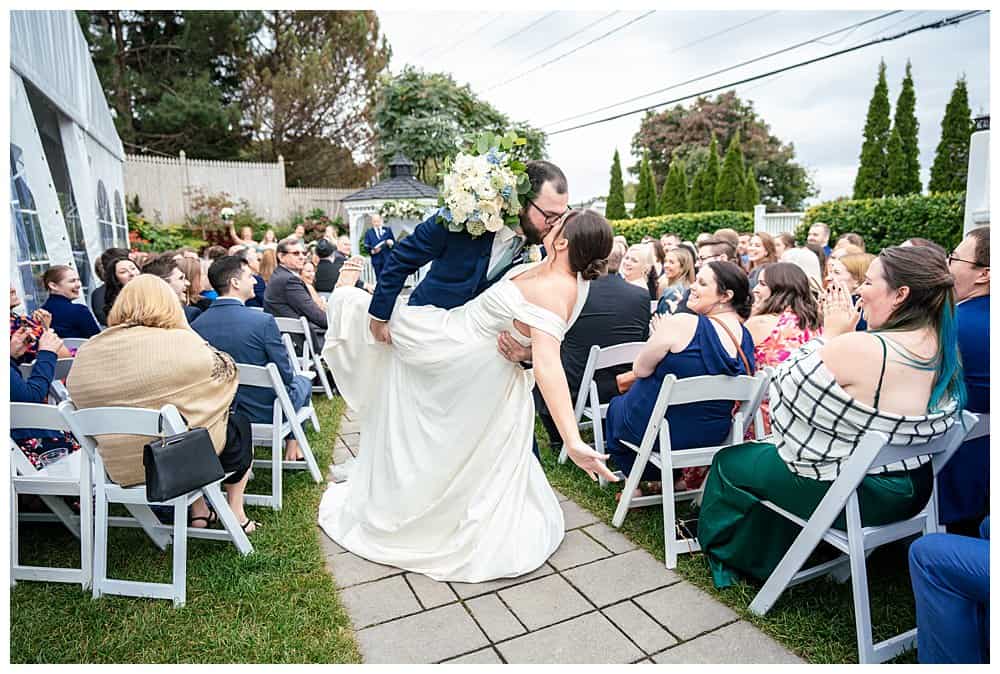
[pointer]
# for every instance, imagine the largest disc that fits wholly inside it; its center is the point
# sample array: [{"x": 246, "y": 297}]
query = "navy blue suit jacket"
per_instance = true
[
  {"x": 70, "y": 319},
  {"x": 250, "y": 337},
  {"x": 458, "y": 272},
  {"x": 372, "y": 239}
]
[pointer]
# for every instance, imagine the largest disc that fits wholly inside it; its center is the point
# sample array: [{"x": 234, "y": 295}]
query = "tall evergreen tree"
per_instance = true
[
  {"x": 908, "y": 126},
  {"x": 872, "y": 173},
  {"x": 696, "y": 194},
  {"x": 645, "y": 195},
  {"x": 951, "y": 161},
  {"x": 615, "y": 210},
  {"x": 674, "y": 198},
  {"x": 711, "y": 176},
  {"x": 729, "y": 189},
  {"x": 751, "y": 191},
  {"x": 895, "y": 165}
]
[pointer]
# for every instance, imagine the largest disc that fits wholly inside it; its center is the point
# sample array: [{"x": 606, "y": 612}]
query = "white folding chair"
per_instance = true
[
  {"x": 297, "y": 367},
  {"x": 71, "y": 478},
  {"x": 747, "y": 390},
  {"x": 87, "y": 425},
  {"x": 285, "y": 421},
  {"x": 856, "y": 542},
  {"x": 308, "y": 358},
  {"x": 74, "y": 342},
  {"x": 57, "y": 390},
  {"x": 652, "y": 306},
  {"x": 592, "y": 416}
]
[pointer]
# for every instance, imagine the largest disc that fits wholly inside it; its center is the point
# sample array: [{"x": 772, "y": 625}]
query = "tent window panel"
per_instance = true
[
  {"x": 32, "y": 257},
  {"x": 106, "y": 225},
  {"x": 121, "y": 224}
]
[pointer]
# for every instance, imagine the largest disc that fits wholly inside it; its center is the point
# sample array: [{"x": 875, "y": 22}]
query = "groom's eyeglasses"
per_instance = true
[{"x": 550, "y": 218}]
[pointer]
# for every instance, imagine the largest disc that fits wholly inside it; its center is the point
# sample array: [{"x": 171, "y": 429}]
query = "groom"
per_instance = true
[{"x": 463, "y": 265}]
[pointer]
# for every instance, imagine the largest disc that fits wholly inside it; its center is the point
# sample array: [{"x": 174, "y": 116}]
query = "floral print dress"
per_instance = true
[{"x": 784, "y": 340}]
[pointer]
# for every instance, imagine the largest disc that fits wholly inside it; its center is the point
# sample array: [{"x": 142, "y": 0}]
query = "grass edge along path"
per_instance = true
[
  {"x": 815, "y": 620},
  {"x": 278, "y": 605}
]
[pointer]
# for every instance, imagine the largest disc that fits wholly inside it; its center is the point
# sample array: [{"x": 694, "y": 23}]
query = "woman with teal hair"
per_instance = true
[{"x": 902, "y": 377}]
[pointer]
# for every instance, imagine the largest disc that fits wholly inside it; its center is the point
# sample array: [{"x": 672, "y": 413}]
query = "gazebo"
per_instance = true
[{"x": 401, "y": 185}]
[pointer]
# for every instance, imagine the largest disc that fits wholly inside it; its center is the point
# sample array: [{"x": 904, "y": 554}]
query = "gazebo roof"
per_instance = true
[{"x": 401, "y": 184}]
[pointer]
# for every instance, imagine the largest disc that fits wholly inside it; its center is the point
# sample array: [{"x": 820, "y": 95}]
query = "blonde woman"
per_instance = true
[
  {"x": 678, "y": 275},
  {"x": 268, "y": 263},
  {"x": 308, "y": 275},
  {"x": 149, "y": 357},
  {"x": 637, "y": 268},
  {"x": 849, "y": 271}
]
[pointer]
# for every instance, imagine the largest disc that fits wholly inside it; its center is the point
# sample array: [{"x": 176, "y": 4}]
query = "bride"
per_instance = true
[{"x": 445, "y": 483}]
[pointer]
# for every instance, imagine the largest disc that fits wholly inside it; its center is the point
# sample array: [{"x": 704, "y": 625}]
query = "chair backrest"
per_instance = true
[
  {"x": 32, "y": 415},
  {"x": 74, "y": 342},
  {"x": 63, "y": 366},
  {"x": 267, "y": 376},
  {"x": 940, "y": 449},
  {"x": 297, "y": 326},
  {"x": 600, "y": 358},
  {"x": 982, "y": 428},
  {"x": 286, "y": 339},
  {"x": 748, "y": 391}
]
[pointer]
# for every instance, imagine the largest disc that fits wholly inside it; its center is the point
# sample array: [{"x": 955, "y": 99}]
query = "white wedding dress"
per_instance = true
[{"x": 445, "y": 483}]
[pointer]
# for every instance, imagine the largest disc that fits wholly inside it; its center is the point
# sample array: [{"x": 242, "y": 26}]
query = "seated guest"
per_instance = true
[
  {"x": 760, "y": 253},
  {"x": 309, "y": 278},
  {"x": 249, "y": 254},
  {"x": 196, "y": 283},
  {"x": 659, "y": 258},
  {"x": 709, "y": 250},
  {"x": 69, "y": 319},
  {"x": 819, "y": 235},
  {"x": 637, "y": 269},
  {"x": 804, "y": 259},
  {"x": 379, "y": 241},
  {"x": 782, "y": 242},
  {"x": 686, "y": 345},
  {"x": 785, "y": 315},
  {"x": 149, "y": 357},
  {"x": 206, "y": 289},
  {"x": 34, "y": 326},
  {"x": 842, "y": 249},
  {"x": 166, "y": 268},
  {"x": 732, "y": 237},
  {"x": 963, "y": 484},
  {"x": 615, "y": 312},
  {"x": 328, "y": 267},
  {"x": 286, "y": 295},
  {"x": 118, "y": 273},
  {"x": 678, "y": 274},
  {"x": 36, "y": 441},
  {"x": 97, "y": 297},
  {"x": 849, "y": 271},
  {"x": 669, "y": 241},
  {"x": 951, "y": 585},
  {"x": 344, "y": 245},
  {"x": 252, "y": 338},
  {"x": 902, "y": 378},
  {"x": 213, "y": 253},
  {"x": 851, "y": 238},
  {"x": 268, "y": 263},
  {"x": 820, "y": 255}
]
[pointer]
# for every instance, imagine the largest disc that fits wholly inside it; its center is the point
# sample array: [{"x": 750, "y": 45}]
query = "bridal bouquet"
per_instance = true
[{"x": 482, "y": 185}]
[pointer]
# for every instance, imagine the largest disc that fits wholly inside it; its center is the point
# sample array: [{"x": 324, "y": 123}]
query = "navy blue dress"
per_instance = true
[
  {"x": 691, "y": 425},
  {"x": 963, "y": 484},
  {"x": 70, "y": 319}
]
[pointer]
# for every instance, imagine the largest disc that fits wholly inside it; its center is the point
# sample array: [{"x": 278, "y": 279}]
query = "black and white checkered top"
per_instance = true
[{"x": 817, "y": 424}]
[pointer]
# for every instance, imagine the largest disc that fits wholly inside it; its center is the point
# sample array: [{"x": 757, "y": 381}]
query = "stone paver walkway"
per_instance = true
[{"x": 598, "y": 599}]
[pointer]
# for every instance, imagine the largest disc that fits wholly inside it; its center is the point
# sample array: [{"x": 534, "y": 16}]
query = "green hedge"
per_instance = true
[
  {"x": 891, "y": 220},
  {"x": 686, "y": 225}
]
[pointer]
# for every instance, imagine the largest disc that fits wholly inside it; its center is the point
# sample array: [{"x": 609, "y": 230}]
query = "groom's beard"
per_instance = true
[{"x": 531, "y": 234}]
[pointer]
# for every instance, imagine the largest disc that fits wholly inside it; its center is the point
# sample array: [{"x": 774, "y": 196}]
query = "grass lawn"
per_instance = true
[
  {"x": 814, "y": 619},
  {"x": 277, "y": 605}
]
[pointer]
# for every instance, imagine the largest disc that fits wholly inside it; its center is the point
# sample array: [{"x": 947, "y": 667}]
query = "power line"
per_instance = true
[
  {"x": 721, "y": 32},
  {"x": 950, "y": 21},
  {"x": 465, "y": 39},
  {"x": 568, "y": 37},
  {"x": 719, "y": 72},
  {"x": 572, "y": 51},
  {"x": 518, "y": 32}
]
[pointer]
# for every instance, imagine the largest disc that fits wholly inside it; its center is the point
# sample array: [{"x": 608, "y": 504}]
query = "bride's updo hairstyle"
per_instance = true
[{"x": 590, "y": 240}]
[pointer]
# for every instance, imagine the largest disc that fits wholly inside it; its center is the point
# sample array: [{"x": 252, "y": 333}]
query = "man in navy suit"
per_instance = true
[
  {"x": 250, "y": 337},
  {"x": 379, "y": 241},
  {"x": 463, "y": 265}
]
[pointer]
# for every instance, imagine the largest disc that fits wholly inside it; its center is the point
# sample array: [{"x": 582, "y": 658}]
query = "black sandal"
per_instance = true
[
  {"x": 209, "y": 520},
  {"x": 247, "y": 524}
]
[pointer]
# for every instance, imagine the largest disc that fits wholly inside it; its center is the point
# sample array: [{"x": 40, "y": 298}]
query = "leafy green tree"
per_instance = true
[
  {"x": 907, "y": 182},
  {"x": 729, "y": 189},
  {"x": 896, "y": 165},
  {"x": 751, "y": 192},
  {"x": 172, "y": 78},
  {"x": 951, "y": 161},
  {"x": 615, "y": 209},
  {"x": 711, "y": 179},
  {"x": 427, "y": 117},
  {"x": 674, "y": 198},
  {"x": 645, "y": 196},
  {"x": 872, "y": 171},
  {"x": 684, "y": 132}
]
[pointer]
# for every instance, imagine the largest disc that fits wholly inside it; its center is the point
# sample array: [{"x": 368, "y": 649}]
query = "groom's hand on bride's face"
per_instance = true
[
  {"x": 380, "y": 329},
  {"x": 511, "y": 349}
]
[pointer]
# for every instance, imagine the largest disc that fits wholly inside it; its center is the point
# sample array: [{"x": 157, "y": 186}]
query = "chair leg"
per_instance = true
[
  {"x": 86, "y": 527},
  {"x": 630, "y": 486},
  {"x": 219, "y": 503},
  {"x": 14, "y": 525},
  {"x": 670, "y": 542},
  {"x": 313, "y": 418},
  {"x": 100, "y": 543},
  {"x": 277, "y": 456},
  {"x": 322, "y": 377},
  {"x": 310, "y": 459},
  {"x": 599, "y": 441},
  {"x": 151, "y": 524},
  {"x": 179, "y": 582},
  {"x": 859, "y": 583}
]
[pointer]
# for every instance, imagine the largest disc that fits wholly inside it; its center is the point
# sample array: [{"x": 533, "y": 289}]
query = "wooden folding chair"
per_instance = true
[
  {"x": 857, "y": 541},
  {"x": 748, "y": 391}
]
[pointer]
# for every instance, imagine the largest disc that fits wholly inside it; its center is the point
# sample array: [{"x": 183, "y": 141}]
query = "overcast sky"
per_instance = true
[{"x": 820, "y": 107}]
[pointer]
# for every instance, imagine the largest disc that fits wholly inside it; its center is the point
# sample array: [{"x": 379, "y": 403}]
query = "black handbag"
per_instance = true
[{"x": 179, "y": 464}]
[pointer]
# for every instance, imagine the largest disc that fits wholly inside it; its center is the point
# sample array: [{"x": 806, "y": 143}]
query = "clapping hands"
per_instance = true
[{"x": 840, "y": 314}]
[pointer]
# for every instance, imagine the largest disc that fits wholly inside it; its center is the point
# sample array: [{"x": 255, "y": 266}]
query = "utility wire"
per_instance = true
[
  {"x": 950, "y": 21},
  {"x": 568, "y": 37},
  {"x": 449, "y": 47},
  {"x": 572, "y": 51},
  {"x": 518, "y": 32},
  {"x": 721, "y": 32},
  {"x": 719, "y": 72}
]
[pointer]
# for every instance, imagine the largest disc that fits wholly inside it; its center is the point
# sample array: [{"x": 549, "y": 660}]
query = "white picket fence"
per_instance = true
[
  {"x": 368, "y": 275},
  {"x": 775, "y": 223}
]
